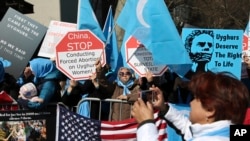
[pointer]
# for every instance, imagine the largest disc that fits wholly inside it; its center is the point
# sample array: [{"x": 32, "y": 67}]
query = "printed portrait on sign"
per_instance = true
[
  {"x": 200, "y": 46},
  {"x": 213, "y": 50}
]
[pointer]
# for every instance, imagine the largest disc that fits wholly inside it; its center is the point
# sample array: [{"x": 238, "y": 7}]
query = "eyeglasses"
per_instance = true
[{"x": 124, "y": 73}]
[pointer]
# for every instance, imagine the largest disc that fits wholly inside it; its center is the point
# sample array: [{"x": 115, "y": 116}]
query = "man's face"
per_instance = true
[{"x": 202, "y": 48}]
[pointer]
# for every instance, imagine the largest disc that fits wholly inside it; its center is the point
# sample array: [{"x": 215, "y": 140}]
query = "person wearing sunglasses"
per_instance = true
[{"x": 125, "y": 87}]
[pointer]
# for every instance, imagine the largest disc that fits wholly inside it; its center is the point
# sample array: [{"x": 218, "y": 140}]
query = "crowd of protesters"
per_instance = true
[{"x": 209, "y": 93}]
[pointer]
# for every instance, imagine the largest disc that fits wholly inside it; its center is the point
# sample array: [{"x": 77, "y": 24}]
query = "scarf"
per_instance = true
[
  {"x": 217, "y": 130},
  {"x": 126, "y": 86},
  {"x": 41, "y": 67}
]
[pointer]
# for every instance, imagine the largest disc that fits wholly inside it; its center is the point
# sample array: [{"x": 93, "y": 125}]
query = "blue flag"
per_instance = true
[
  {"x": 150, "y": 22},
  {"x": 112, "y": 53},
  {"x": 129, "y": 27},
  {"x": 86, "y": 19}
]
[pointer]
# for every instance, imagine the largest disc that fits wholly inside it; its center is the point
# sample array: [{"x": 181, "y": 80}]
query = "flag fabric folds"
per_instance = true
[
  {"x": 111, "y": 48},
  {"x": 150, "y": 22},
  {"x": 126, "y": 129},
  {"x": 72, "y": 126},
  {"x": 119, "y": 130},
  {"x": 86, "y": 19}
]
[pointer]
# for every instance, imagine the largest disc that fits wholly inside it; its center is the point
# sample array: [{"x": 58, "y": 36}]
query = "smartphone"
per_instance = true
[{"x": 147, "y": 95}]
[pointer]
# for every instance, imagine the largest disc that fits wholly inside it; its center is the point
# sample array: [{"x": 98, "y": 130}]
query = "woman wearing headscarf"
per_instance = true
[
  {"x": 47, "y": 78},
  {"x": 125, "y": 87}
]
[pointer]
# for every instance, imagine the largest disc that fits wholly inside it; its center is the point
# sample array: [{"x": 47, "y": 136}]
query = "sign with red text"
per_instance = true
[
  {"x": 77, "y": 53},
  {"x": 55, "y": 33},
  {"x": 140, "y": 59},
  {"x": 246, "y": 43}
]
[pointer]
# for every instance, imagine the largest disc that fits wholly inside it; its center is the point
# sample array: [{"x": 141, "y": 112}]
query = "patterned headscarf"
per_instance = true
[
  {"x": 41, "y": 67},
  {"x": 2, "y": 72}
]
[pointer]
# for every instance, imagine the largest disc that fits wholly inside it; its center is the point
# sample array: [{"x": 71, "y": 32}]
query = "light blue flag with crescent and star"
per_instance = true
[
  {"x": 127, "y": 21},
  {"x": 111, "y": 48},
  {"x": 86, "y": 19},
  {"x": 150, "y": 22}
]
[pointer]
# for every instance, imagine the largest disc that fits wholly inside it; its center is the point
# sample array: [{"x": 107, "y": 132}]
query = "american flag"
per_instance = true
[{"x": 74, "y": 127}]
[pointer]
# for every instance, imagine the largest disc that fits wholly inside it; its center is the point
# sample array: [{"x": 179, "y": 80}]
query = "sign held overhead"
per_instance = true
[{"x": 77, "y": 53}]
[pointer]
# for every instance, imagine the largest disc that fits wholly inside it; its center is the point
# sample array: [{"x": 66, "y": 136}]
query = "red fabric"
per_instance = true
[
  {"x": 6, "y": 102},
  {"x": 5, "y": 97},
  {"x": 126, "y": 129},
  {"x": 86, "y": 129},
  {"x": 247, "y": 118}
]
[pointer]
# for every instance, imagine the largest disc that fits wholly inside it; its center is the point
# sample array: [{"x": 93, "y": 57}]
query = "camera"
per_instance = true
[{"x": 147, "y": 95}]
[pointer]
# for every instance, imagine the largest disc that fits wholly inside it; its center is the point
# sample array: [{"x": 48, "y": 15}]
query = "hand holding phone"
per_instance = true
[{"x": 147, "y": 95}]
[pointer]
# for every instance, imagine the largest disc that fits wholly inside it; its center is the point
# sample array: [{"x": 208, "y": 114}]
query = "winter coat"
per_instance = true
[
  {"x": 122, "y": 111},
  {"x": 216, "y": 131},
  {"x": 47, "y": 78}
]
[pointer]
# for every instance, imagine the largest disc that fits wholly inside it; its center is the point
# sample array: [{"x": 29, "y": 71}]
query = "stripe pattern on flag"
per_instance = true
[{"x": 74, "y": 127}]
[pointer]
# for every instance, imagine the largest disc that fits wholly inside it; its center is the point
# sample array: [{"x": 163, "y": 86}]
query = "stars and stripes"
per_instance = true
[{"x": 74, "y": 127}]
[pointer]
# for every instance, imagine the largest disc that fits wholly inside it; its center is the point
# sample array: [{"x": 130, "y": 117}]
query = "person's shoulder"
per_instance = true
[
  {"x": 9, "y": 79},
  {"x": 56, "y": 74}
]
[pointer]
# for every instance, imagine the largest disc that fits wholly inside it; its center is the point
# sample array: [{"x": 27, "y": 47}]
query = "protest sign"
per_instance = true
[
  {"x": 215, "y": 50},
  {"x": 20, "y": 36},
  {"x": 246, "y": 43},
  {"x": 77, "y": 53},
  {"x": 140, "y": 59},
  {"x": 55, "y": 33},
  {"x": 28, "y": 124}
]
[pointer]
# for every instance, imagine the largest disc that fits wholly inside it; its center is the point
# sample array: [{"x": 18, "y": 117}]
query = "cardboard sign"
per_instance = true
[
  {"x": 215, "y": 50},
  {"x": 28, "y": 124},
  {"x": 246, "y": 43},
  {"x": 140, "y": 59},
  {"x": 77, "y": 53},
  {"x": 55, "y": 33},
  {"x": 19, "y": 38}
]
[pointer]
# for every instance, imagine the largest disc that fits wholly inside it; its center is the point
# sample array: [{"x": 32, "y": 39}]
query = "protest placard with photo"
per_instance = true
[{"x": 28, "y": 124}]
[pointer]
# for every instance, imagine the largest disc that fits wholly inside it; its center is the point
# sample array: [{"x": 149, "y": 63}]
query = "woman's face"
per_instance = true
[
  {"x": 124, "y": 75},
  {"x": 197, "y": 113}
]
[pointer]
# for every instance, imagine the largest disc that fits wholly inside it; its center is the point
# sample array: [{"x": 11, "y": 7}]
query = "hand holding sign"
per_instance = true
[
  {"x": 140, "y": 59},
  {"x": 77, "y": 53}
]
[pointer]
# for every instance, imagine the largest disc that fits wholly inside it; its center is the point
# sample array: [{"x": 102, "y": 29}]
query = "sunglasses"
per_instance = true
[{"x": 124, "y": 73}]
